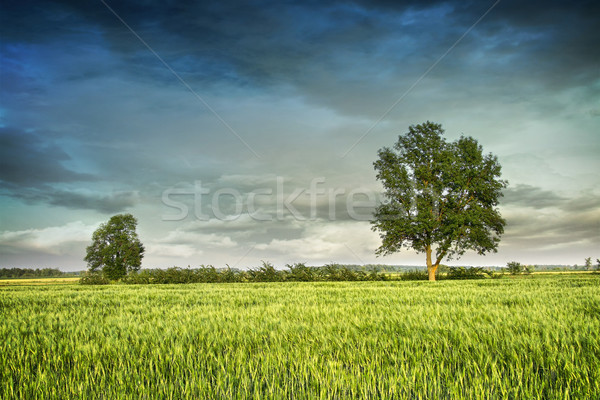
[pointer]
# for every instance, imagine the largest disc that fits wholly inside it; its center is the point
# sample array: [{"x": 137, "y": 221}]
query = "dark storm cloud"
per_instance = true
[
  {"x": 32, "y": 168},
  {"x": 26, "y": 159},
  {"x": 321, "y": 47}
]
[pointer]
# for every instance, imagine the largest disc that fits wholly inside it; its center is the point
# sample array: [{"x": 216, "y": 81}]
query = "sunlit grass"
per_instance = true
[
  {"x": 528, "y": 338},
  {"x": 38, "y": 281}
]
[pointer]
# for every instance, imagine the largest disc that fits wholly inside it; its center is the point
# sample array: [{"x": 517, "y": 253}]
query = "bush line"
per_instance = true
[{"x": 297, "y": 272}]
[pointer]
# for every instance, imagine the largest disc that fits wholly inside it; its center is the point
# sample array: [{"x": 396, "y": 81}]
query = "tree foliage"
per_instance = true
[
  {"x": 116, "y": 249},
  {"x": 439, "y": 196}
]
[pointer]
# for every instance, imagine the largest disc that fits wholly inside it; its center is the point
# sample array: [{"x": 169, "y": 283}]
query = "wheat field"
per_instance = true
[{"x": 534, "y": 338}]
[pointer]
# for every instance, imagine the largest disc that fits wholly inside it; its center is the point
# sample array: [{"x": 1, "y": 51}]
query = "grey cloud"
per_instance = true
[
  {"x": 587, "y": 201},
  {"x": 531, "y": 196},
  {"x": 538, "y": 231},
  {"x": 77, "y": 199},
  {"x": 40, "y": 258},
  {"x": 269, "y": 197},
  {"x": 585, "y": 225},
  {"x": 574, "y": 220},
  {"x": 104, "y": 203}
]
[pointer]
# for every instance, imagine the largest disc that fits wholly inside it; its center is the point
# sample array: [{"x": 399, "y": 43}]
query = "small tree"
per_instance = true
[
  {"x": 116, "y": 249},
  {"x": 440, "y": 196},
  {"x": 514, "y": 267},
  {"x": 588, "y": 263}
]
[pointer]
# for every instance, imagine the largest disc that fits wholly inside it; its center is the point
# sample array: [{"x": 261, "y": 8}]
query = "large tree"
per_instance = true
[
  {"x": 116, "y": 249},
  {"x": 439, "y": 196}
]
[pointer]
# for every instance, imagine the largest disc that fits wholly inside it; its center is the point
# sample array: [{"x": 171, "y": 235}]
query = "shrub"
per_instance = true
[
  {"x": 515, "y": 268},
  {"x": 208, "y": 274},
  {"x": 265, "y": 273},
  {"x": 374, "y": 275},
  {"x": 299, "y": 272},
  {"x": 203, "y": 274},
  {"x": 230, "y": 275},
  {"x": 141, "y": 277},
  {"x": 93, "y": 279},
  {"x": 336, "y": 272},
  {"x": 414, "y": 275},
  {"x": 467, "y": 273}
]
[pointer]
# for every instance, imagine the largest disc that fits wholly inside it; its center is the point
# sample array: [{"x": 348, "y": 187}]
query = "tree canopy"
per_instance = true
[
  {"x": 116, "y": 249},
  {"x": 439, "y": 196}
]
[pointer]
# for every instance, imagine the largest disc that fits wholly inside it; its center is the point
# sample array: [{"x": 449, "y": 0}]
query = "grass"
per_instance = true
[{"x": 490, "y": 339}]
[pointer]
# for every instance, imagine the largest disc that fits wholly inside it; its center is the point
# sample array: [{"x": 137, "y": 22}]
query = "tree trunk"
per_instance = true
[
  {"x": 430, "y": 267},
  {"x": 432, "y": 272}
]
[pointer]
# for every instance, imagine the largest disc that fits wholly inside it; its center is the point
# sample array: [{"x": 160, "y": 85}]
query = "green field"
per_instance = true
[{"x": 532, "y": 338}]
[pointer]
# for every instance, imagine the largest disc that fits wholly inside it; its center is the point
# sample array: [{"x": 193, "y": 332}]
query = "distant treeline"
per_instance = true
[
  {"x": 298, "y": 272},
  {"x": 33, "y": 273}
]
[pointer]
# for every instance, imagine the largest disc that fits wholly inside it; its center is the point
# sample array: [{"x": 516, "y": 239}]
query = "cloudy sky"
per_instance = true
[{"x": 240, "y": 132}]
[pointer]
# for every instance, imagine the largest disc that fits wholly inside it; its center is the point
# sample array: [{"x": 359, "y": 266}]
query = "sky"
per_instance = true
[{"x": 237, "y": 132}]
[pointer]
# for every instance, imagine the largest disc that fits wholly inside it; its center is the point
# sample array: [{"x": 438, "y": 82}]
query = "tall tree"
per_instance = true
[
  {"x": 439, "y": 197},
  {"x": 116, "y": 249}
]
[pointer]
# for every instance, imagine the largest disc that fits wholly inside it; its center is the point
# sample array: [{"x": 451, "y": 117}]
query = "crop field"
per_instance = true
[
  {"x": 38, "y": 281},
  {"x": 533, "y": 338}
]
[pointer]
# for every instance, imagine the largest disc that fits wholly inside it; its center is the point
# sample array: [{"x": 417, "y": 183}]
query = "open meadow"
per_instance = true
[{"x": 535, "y": 337}]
